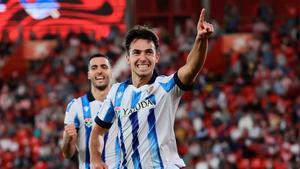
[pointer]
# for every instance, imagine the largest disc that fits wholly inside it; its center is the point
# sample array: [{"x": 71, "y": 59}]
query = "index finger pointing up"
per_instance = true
[{"x": 202, "y": 15}]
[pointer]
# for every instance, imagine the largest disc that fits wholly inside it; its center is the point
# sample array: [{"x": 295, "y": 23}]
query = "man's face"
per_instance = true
[
  {"x": 99, "y": 72},
  {"x": 142, "y": 57}
]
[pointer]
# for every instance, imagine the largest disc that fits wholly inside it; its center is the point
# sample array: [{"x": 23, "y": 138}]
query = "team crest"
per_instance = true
[
  {"x": 88, "y": 122},
  {"x": 119, "y": 94},
  {"x": 86, "y": 108},
  {"x": 118, "y": 110}
]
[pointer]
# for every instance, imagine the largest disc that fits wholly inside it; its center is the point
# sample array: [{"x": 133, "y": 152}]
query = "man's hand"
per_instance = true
[
  {"x": 204, "y": 29},
  {"x": 69, "y": 141},
  {"x": 71, "y": 132},
  {"x": 96, "y": 164}
]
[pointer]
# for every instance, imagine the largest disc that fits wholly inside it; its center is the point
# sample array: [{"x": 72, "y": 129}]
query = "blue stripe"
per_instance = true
[
  {"x": 152, "y": 137},
  {"x": 109, "y": 116},
  {"x": 117, "y": 151},
  {"x": 76, "y": 121},
  {"x": 103, "y": 151},
  {"x": 151, "y": 98},
  {"x": 86, "y": 109},
  {"x": 135, "y": 97},
  {"x": 169, "y": 85},
  {"x": 135, "y": 141},
  {"x": 122, "y": 144},
  {"x": 118, "y": 100},
  {"x": 135, "y": 126},
  {"x": 120, "y": 93}
]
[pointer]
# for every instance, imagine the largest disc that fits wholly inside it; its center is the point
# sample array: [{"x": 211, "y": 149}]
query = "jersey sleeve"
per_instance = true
[
  {"x": 180, "y": 85},
  {"x": 173, "y": 85},
  {"x": 71, "y": 114},
  {"x": 106, "y": 115}
]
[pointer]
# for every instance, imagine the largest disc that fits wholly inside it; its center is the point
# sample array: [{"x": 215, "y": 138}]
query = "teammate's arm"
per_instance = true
[
  {"x": 196, "y": 58},
  {"x": 69, "y": 141},
  {"x": 103, "y": 121},
  {"x": 95, "y": 147}
]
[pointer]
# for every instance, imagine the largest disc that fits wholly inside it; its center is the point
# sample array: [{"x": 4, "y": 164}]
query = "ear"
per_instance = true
[
  {"x": 157, "y": 56},
  {"x": 127, "y": 58}
]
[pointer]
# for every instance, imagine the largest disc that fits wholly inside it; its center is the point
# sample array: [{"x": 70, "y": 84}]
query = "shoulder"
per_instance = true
[
  {"x": 164, "y": 78},
  {"x": 73, "y": 103},
  {"x": 170, "y": 81},
  {"x": 115, "y": 87}
]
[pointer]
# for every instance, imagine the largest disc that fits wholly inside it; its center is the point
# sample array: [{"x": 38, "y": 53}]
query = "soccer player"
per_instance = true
[
  {"x": 80, "y": 114},
  {"x": 144, "y": 106}
]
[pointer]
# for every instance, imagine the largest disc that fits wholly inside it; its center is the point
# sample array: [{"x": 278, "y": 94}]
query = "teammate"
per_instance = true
[
  {"x": 144, "y": 106},
  {"x": 80, "y": 113}
]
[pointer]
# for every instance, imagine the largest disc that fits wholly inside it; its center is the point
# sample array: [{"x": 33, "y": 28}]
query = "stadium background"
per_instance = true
[{"x": 244, "y": 110}]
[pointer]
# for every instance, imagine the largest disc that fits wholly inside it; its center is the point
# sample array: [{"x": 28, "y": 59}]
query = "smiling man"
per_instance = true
[
  {"x": 144, "y": 106},
  {"x": 81, "y": 112}
]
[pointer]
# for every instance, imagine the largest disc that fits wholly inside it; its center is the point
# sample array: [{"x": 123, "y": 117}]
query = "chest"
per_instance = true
[
  {"x": 88, "y": 112},
  {"x": 140, "y": 100}
]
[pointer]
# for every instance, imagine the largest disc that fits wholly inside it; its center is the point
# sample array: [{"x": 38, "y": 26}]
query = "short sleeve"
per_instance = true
[
  {"x": 71, "y": 114},
  {"x": 172, "y": 85}
]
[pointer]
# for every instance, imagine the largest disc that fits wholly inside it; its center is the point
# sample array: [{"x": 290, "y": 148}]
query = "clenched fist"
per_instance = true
[{"x": 70, "y": 132}]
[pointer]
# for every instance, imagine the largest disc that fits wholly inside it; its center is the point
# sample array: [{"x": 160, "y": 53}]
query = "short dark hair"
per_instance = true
[
  {"x": 97, "y": 55},
  {"x": 141, "y": 32}
]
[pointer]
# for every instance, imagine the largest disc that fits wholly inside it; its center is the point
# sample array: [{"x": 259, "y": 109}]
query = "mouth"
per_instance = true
[
  {"x": 143, "y": 66},
  {"x": 99, "y": 77}
]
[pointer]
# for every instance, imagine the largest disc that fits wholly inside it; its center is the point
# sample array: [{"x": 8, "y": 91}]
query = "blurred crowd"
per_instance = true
[{"x": 246, "y": 118}]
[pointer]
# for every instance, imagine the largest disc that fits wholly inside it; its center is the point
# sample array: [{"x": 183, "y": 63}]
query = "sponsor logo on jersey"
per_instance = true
[{"x": 141, "y": 105}]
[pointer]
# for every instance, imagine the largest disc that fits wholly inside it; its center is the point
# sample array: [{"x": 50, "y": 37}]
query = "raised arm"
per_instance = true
[
  {"x": 196, "y": 58},
  {"x": 95, "y": 148}
]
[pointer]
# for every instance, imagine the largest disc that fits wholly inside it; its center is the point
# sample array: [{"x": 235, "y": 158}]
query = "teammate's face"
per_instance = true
[
  {"x": 99, "y": 72},
  {"x": 142, "y": 57}
]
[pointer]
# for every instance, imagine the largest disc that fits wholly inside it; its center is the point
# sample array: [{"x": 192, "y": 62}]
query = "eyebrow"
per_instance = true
[
  {"x": 101, "y": 65},
  {"x": 150, "y": 49}
]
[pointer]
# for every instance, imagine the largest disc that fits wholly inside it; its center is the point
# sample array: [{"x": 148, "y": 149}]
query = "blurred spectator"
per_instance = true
[
  {"x": 231, "y": 17},
  {"x": 5, "y": 44}
]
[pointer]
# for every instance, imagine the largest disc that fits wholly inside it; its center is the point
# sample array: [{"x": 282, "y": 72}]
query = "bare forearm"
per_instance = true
[
  {"x": 197, "y": 56},
  {"x": 95, "y": 146},
  {"x": 68, "y": 147},
  {"x": 195, "y": 61}
]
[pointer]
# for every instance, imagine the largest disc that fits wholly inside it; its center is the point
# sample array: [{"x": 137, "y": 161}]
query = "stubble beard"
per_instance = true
[{"x": 100, "y": 87}]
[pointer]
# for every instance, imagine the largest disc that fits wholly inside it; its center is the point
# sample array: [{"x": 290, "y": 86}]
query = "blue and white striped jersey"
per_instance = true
[
  {"x": 145, "y": 119},
  {"x": 81, "y": 112}
]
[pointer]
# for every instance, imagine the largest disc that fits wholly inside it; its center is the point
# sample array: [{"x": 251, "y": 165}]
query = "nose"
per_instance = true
[
  {"x": 99, "y": 70},
  {"x": 143, "y": 56}
]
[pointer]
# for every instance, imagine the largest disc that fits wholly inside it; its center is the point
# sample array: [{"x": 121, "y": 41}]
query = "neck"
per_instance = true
[
  {"x": 140, "y": 81},
  {"x": 99, "y": 94}
]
